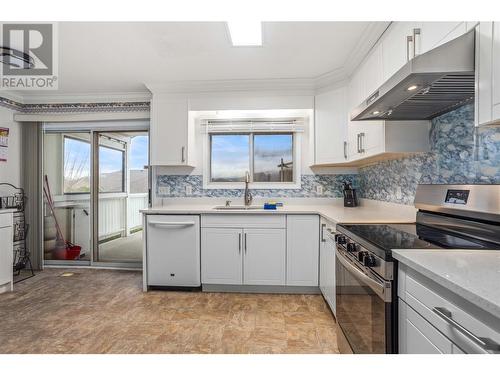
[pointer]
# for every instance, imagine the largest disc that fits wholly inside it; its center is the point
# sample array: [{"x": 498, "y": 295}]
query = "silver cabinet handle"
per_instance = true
[
  {"x": 322, "y": 230},
  {"x": 483, "y": 342},
  {"x": 416, "y": 34},
  {"x": 183, "y": 159},
  {"x": 409, "y": 39},
  {"x": 361, "y": 146},
  {"x": 345, "y": 149},
  {"x": 239, "y": 243},
  {"x": 245, "y": 243}
]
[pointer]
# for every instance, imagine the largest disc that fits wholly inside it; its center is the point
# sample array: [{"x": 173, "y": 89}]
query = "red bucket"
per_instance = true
[{"x": 71, "y": 252}]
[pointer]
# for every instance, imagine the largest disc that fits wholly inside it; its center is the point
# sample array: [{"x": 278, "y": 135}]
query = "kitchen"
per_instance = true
[{"x": 243, "y": 210}]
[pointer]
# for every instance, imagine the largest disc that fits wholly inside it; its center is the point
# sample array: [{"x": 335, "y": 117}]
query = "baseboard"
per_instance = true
[{"x": 278, "y": 289}]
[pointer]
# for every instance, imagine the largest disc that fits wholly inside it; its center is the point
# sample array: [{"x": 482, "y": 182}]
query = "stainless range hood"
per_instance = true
[{"x": 429, "y": 85}]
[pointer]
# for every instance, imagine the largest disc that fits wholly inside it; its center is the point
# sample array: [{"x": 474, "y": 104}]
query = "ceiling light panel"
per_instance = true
[{"x": 245, "y": 33}]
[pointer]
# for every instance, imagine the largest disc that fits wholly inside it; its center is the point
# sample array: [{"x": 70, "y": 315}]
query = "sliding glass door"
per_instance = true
[
  {"x": 122, "y": 185},
  {"x": 67, "y": 163},
  {"x": 95, "y": 184}
]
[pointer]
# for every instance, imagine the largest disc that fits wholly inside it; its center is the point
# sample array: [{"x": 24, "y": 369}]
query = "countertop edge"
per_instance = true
[
  {"x": 481, "y": 302},
  {"x": 292, "y": 211}
]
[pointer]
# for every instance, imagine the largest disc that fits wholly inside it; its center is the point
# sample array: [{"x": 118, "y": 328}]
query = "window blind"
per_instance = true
[{"x": 295, "y": 125}]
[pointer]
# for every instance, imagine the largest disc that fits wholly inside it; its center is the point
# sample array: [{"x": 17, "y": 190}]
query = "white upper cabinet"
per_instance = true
[
  {"x": 487, "y": 73},
  {"x": 330, "y": 127},
  {"x": 372, "y": 138},
  {"x": 171, "y": 134},
  {"x": 433, "y": 34},
  {"x": 397, "y": 49}
]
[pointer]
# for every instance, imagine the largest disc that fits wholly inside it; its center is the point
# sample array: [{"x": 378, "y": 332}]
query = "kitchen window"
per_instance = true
[{"x": 268, "y": 157}]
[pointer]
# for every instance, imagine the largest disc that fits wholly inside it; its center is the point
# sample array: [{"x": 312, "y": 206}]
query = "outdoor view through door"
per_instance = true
[
  {"x": 123, "y": 191},
  {"x": 114, "y": 164}
]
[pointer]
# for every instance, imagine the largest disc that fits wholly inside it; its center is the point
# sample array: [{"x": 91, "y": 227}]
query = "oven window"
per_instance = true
[{"x": 361, "y": 313}]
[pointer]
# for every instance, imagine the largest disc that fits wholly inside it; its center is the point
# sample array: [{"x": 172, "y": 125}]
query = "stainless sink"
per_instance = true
[{"x": 229, "y": 208}]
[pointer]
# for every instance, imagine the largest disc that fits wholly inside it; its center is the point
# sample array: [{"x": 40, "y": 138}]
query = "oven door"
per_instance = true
[{"x": 364, "y": 309}]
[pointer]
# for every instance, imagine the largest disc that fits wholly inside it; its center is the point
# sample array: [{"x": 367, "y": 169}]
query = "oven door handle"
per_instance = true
[{"x": 382, "y": 289}]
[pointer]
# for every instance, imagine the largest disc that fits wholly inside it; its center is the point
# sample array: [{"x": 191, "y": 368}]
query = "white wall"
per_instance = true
[{"x": 10, "y": 171}]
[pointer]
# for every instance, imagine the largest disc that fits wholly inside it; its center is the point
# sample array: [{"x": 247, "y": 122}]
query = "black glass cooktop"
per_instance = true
[{"x": 413, "y": 236}]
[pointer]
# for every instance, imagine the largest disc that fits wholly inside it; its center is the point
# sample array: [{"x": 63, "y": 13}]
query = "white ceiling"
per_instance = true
[{"x": 99, "y": 58}]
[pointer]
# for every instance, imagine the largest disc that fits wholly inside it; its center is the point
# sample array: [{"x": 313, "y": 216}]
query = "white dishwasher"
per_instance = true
[{"x": 172, "y": 251}]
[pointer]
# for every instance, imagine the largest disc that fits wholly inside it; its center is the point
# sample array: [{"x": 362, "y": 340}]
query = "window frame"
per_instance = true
[
  {"x": 64, "y": 192},
  {"x": 124, "y": 170},
  {"x": 295, "y": 184}
]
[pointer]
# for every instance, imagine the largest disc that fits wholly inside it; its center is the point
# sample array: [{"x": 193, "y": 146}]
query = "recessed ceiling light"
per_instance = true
[
  {"x": 245, "y": 33},
  {"x": 375, "y": 112},
  {"x": 412, "y": 87}
]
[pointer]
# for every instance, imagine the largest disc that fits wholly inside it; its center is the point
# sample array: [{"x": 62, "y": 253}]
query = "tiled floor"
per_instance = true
[{"x": 102, "y": 311}]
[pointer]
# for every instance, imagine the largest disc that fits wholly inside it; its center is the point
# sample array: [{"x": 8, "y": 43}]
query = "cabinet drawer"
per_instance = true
[
  {"x": 5, "y": 220},
  {"x": 244, "y": 221},
  {"x": 425, "y": 300},
  {"x": 418, "y": 336}
]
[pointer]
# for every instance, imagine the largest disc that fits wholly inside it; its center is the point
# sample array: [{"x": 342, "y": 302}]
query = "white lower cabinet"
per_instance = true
[
  {"x": 418, "y": 336},
  {"x": 327, "y": 266},
  {"x": 302, "y": 250},
  {"x": 6, "y": 252},
  {"x": 221, "y": 256},
  {"x": 271, "y": 249},
  {"x": 264, "y": 256},
  {"x": 433, "y": 319}
]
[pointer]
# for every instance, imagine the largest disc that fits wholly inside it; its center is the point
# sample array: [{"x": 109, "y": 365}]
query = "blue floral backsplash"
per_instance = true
[
  {"x": 331, "y": 184},
  {"x": 460, "y": 154}
]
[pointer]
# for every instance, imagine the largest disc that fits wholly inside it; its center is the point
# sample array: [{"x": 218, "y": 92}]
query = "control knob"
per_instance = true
[
  {"x": 351, "y": 247},
  {"x": 361, "y": 255},
  {"x": 369, "y": 260},
  {"x": 341, "y": 240}
]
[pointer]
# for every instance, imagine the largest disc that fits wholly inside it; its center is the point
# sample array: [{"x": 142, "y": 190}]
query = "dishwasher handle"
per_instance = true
[{"x": 172, "y": 223}]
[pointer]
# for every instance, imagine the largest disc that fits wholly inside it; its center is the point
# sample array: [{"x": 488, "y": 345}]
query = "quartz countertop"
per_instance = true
[
  {"x": 472, "y": 274},
  {"x": 333, "y": 210},
  {"x": 7, "y": 210}
]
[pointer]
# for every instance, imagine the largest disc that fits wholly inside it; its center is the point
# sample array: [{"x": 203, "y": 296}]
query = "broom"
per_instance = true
[{"x": 70, "y": 250}]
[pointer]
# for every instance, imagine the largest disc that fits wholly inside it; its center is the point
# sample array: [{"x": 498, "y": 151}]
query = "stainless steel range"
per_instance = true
[{"x": 448, "y": 217}]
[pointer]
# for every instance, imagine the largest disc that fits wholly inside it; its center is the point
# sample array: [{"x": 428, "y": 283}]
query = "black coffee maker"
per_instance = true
[{"x": 350, "y": 199}]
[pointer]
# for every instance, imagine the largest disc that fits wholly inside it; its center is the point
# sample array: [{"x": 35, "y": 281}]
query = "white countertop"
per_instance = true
[
  {"x": 472, "y": 274},
  {"x": 7, "y": 210},
  {"x": 370, "y": 211}
]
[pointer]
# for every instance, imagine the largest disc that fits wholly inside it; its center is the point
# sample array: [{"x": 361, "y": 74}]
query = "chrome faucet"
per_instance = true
[{"x": 248, "y": 195}]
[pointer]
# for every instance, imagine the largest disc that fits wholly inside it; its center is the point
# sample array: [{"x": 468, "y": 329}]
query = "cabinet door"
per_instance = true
[
  {"x": 322, "y": 263},
  {"x": 169, "y": 131},
  {"x": 330, "y": 127},
  {"x": 221, "y": 256},
  {"x": 418, "y": 336},
  {"x": 484, "y": 69},
  {"x": 6, "y": 255},
  {"x": 395, "y": 47},
  {"x": 372, "y": 72},
  {"x": 433, "y": 34},
  {"x": 330, "y": 275},
  {"x": 496, "y": 70},
  {"x": 366, "y": 138},
  {"x": 264, "y": 259},
  {"x": 302, "y": 250}
]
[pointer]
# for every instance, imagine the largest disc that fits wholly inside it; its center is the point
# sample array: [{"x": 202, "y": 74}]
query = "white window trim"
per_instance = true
[{"x": 296, "y": 184}]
